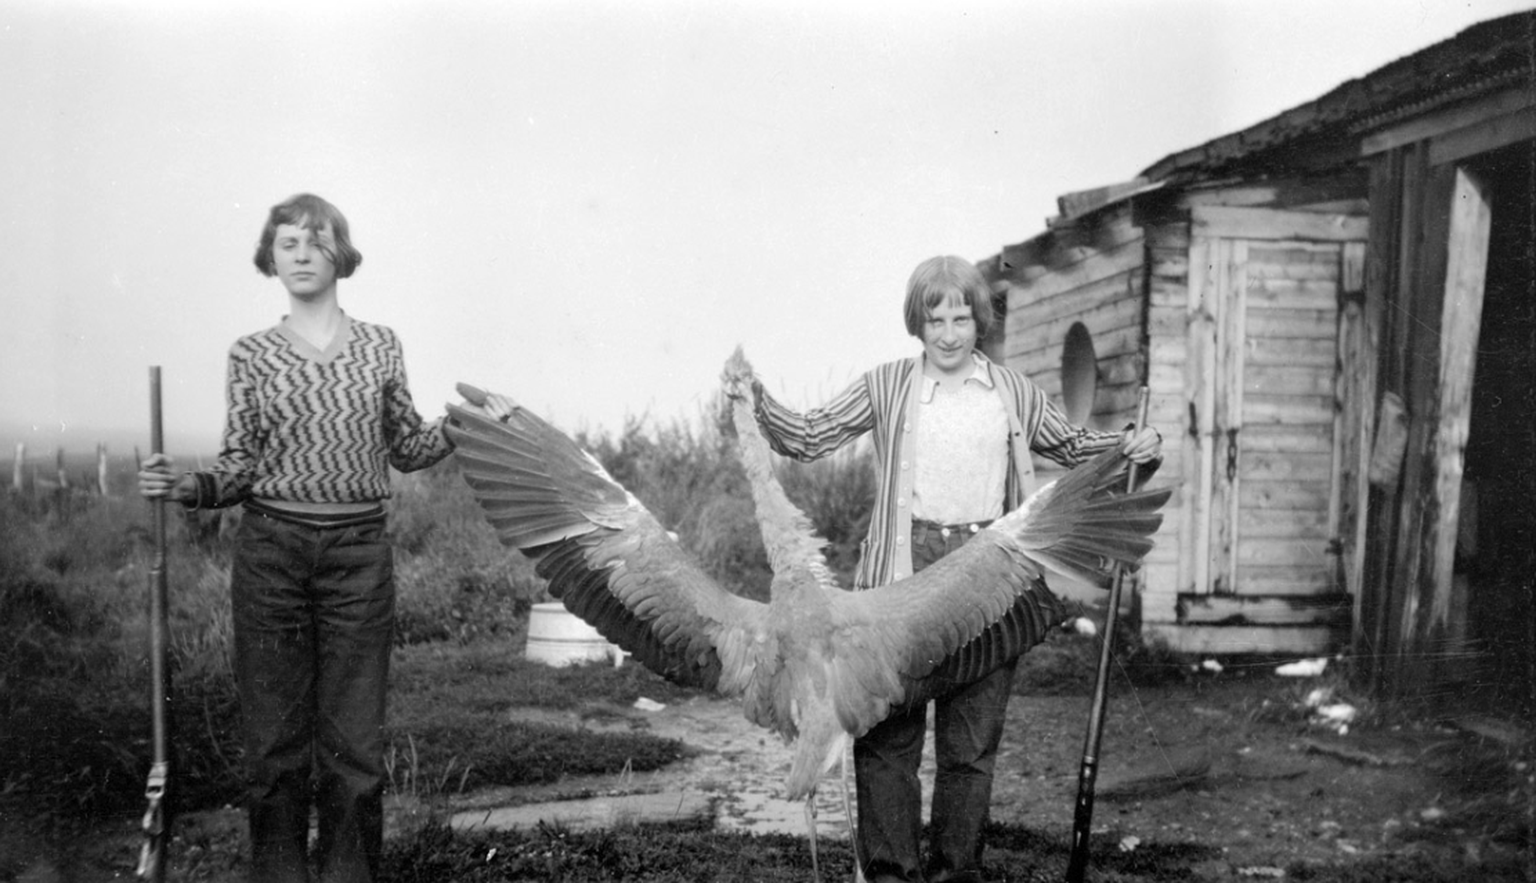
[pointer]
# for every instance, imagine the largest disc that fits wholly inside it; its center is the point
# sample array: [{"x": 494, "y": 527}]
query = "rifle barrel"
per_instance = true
[
  {"x": 155, "y": 824},
  {"x": 1082, "y": 815}
]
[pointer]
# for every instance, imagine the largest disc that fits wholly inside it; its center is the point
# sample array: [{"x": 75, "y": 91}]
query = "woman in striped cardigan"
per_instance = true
[{"x": 953, "y": 435}]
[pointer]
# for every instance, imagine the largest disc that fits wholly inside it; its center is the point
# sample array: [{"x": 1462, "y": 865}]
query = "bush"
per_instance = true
[{"x": 692, "y": 480}]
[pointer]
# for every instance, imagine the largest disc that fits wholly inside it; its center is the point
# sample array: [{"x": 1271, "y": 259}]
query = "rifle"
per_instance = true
[
  {"x": 157, "y": 824},
  {"x": 1082, "y": 815}
]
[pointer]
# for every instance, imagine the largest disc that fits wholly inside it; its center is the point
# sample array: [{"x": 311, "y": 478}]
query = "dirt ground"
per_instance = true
[{"x": 1240, "y": 763}]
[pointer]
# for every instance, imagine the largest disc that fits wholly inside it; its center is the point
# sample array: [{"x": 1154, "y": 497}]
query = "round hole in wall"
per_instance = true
[{"x": 1079, "y": 373}]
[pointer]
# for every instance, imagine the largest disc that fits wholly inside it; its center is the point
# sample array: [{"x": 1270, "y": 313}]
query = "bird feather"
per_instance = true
[{"x": 817, "y": 663}]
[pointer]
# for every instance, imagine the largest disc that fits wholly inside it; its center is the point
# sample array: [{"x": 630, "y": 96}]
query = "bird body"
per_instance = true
[{"x": 817, "y": 664}]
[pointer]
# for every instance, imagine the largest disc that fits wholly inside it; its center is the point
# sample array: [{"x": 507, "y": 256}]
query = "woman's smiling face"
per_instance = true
[{"x": 949, "y": 336}]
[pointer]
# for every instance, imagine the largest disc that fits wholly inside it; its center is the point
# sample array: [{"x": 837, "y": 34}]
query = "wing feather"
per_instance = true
[
  {"x": 987, "y": 602},
  {"x": 605, "y": 557}
]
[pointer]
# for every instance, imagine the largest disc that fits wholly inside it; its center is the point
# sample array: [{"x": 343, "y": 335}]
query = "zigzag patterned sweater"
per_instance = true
[{"x": 318, "y": 426}]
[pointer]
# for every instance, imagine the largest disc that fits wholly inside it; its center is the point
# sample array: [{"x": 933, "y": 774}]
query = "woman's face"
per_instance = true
[
  {"x": 949, "y": 336},
  {"x": 302, "y": 259}
]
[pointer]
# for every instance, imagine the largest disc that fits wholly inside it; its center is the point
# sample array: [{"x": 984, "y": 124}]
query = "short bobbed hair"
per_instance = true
[
  {"x": 314, "y": 214},
  {"x": 939, "y": 279}
]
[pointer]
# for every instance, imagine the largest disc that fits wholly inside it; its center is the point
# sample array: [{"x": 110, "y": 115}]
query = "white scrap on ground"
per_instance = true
[{"x": 1303, "y": 668}]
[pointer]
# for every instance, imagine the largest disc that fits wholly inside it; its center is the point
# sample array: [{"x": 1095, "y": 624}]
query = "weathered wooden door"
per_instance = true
[{"x": 1267, "y": 299}]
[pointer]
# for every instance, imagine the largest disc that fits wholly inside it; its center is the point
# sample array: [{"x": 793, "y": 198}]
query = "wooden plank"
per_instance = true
[
  {"x": 1282, "y": 438},
  {"x": 1169, "y": 264},
  {"x": 1301, "y": 553},
  {"x": 1116, "y": 371},
  {"x": 1122, "y": 368},
  {"x": 1466, "y": 268},
  {"x": 1284, "y": 466},
  {"x": 1314, "y": 324},
  {"x": 1100, "y": 315},
  {"x": 1165, "y": 295},
  {"x": 1352, "y": 268},
  {"x": 1285, "y": 495},
  {"x": 1287, "y": 380},
  {"x": 1386, "y": 173},
  {"x": 1285, "y": 579},
  {"x": 1165, "y": 378},
  {"x": 1424, "y": 309},
  {"x": 1158, "y": 606},
  {"x": 1231, "y": 336},
  {"x": 1126, "y": 339},
  {"x": 1448, "y": 121},
  {"x": 1485, "y": 136},
  {"x": 1115, "y": 406},
  {"x": 1263, "y": 223},
  {"x": 1199, "y": 463},
  {"x": 1098, "y": 265},
  {"x": 1297, "y": 294},
  {"x": 1092, "y": 295},
  {"x": 1301, "y": 270},
  {"x": 1082, "y": 202},
  {"x": 1293, "y": 351},
  {"x": 1168, "y": 233},
  {"x": 1294, "y": 259},
  {"x": 1223, "y": 640},
  {"x": 1356, "y": 393},
  {"x": 1283, "y": 523},
  {"x": 1290, "y": 409},
  {"x": 1234, "y": 610},
  {"x": 1167, "y": 323},
  {"x": 1295, "y": 194}
]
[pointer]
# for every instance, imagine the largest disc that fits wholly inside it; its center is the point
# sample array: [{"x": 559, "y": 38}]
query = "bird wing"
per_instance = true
[
  {"x": 605, "y": 556},
  {"x": 987, "y": 602}
]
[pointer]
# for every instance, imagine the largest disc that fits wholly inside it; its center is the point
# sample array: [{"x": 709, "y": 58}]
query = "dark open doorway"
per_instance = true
[{"x": 1497, "y": 554}]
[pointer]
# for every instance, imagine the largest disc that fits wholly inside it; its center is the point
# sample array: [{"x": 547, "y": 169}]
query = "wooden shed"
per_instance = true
[{"x": 1333, "y": 310}]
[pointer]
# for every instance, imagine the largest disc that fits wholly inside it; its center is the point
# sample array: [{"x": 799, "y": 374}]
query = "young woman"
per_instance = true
[
  {"x": 953, "y": 434},
  {"x": 318, "y": 412}
]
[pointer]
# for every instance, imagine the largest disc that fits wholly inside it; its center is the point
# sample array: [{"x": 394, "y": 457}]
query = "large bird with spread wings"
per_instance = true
[{"x": 817, "y": 664}]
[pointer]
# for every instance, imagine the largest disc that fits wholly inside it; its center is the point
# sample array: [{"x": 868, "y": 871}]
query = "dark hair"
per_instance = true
[
  {"x": 938, "y": 279},
  {"x": 312, "y": 213}
]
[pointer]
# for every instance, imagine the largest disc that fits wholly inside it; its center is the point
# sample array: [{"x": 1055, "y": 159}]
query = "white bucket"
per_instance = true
[{"x": 559, "y": 637}]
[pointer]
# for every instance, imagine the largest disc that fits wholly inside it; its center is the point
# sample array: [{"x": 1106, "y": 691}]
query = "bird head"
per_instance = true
[{"x": 737, "y": 380}]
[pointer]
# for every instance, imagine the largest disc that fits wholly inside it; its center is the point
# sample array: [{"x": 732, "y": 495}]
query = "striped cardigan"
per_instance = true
[
  {"x": 883, "y": 403},
  {"x": 314, "y": 426}
]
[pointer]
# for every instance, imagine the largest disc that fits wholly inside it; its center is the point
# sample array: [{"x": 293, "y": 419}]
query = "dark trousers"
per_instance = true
[
  {"x": 314, "y": 616},
  {"x": 968, "y": 726}
]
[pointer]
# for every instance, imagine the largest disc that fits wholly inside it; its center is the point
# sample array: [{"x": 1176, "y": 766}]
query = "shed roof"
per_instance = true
[{"x": 1487, "y": 56}]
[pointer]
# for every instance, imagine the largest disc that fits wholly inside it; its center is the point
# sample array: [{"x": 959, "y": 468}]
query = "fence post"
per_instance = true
[
  {"x": 17, "y": 483},
  {"x": 101, "y": 470}
]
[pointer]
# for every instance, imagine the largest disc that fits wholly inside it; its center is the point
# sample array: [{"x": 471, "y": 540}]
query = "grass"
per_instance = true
[
  {"x": 674, "y": 853},
  {"x": 450, "y": 723}
]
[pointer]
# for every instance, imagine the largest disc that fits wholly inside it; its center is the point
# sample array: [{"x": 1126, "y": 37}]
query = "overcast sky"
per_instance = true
[{"x": 584, "y": 205}]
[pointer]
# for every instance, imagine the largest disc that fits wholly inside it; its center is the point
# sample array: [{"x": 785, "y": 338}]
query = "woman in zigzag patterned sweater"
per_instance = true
[{"x": 318, "y": 412}]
